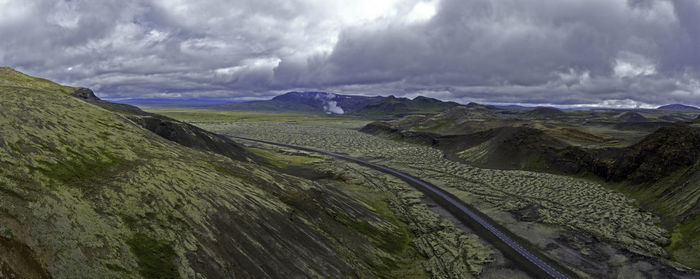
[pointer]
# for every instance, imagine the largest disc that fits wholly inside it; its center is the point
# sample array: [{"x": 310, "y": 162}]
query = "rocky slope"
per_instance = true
[{"x": 87, "y": 192}]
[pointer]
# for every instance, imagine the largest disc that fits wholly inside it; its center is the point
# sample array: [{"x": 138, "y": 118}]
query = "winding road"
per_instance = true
[{"x": 537, "y": 265}]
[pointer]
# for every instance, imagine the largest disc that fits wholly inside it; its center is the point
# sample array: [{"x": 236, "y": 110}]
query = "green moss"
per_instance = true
[
  {"x": 685, "y": 243},
  {"x": 437, "y": 125},
  {"x": 72, "y": 172},
  {"x": 277, "y": 160},
  {"x": 227, "y": 171},
  {"x": 535, "y": 163},
  {"x": 11, "y": 78},
  {"x": 156, "y": 258},
  {"x": 395, "y": 241}
]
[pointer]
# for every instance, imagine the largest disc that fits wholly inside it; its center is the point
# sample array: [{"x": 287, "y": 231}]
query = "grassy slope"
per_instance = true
[
  {"x": 87, "y": 193},
  {"x": 12, "y": 78},
  {"x": 676, "y": 199}
]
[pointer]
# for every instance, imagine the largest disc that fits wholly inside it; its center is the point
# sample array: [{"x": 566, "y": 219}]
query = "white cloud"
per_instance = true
[
  {"x": 422, "y": 11},
  {"x": 537, "y": 51},
  {"x": 12, "y": 11},
  {"x": 633, "y": 65}
]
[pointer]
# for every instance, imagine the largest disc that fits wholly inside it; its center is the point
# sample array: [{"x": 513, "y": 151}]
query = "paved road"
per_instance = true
[{"x": 437, "y": 194}]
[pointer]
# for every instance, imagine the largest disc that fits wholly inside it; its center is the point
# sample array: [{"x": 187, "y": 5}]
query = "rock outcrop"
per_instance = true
[
  {"x": 191, "y": 136},
  {"x": 86, "y": 94}
]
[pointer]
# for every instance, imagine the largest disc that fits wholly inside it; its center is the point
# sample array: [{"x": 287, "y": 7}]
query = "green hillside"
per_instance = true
[
  {"x": 11, "y": 78},
  {"x": 88, "y": 193},
  {"x": 398, "y": 107}
]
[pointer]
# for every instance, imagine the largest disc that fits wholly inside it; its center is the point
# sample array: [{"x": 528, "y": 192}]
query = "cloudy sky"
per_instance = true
[{"x": 564, "y": 52}]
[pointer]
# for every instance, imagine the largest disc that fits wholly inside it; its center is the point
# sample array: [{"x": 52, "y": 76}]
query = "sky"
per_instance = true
[{"x": 612, "y": 53}]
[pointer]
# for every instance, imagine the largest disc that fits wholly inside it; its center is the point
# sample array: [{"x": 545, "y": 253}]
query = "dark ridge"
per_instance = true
[
  {"x": 545, "y": 113},
  {"x": 632, "y": 116},
  {"x": 310, "y": 102},
  {"x": 678, "y": 107},
  {"x": 183, "y": 133},
  {"x": 191, "y": 136},
  {"x": 85, "y": 93},
  {"x": 668, "y": 149},
  {"x": 658, "y": 155},
  {"x": 398, "y": 107}
]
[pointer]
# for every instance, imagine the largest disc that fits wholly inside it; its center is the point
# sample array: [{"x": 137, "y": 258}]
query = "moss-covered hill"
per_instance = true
[
  {"x": 399, "y": 107},
  {"x": 86, "y": 192}
]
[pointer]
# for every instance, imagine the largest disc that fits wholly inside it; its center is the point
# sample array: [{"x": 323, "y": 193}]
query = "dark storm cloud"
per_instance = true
[
  {"x": 606, "y": 52},
  {"x": 564, "y": 52}
]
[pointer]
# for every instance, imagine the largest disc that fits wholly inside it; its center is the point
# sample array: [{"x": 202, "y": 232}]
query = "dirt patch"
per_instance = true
[{"x": 17, "y": 260}]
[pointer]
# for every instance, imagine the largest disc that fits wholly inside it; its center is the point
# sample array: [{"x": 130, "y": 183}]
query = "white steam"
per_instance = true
[
  {"x": 328, "y": 105},
  {"x": 332, "y": 107}
]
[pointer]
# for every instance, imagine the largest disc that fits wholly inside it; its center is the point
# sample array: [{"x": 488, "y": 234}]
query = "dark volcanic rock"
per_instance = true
[
  {"x": 668, "y": 149},
  {"x": 529, "y": 213},
  {"x": 85, "y": 93},
  {"x": 171, "y": 129},
  {"x": 665, "y": 151},
  {"x": 191, "y": 136},
  {"x": 378, "y": 127}
]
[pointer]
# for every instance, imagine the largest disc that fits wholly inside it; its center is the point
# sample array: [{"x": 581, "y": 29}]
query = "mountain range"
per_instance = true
[
  {"x": 678, "y": 107},
  {"x": 329, "y": 103},
  {"x": 310, "y": 102}
]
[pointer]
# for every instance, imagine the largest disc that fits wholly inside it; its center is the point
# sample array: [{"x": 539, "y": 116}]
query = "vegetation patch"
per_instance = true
[
  {"x": 156, "y": 258},
  {"x": 278, "y": 160},
  {"x": 685, "y": 243}
]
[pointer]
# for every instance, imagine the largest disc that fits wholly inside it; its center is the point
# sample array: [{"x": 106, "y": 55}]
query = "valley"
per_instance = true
[
  {"x": 96, "y": 187},
  {"x": 392, "y": 139},
  {"x": 92, "y": 189},
  {"x": 589, "y": 227}
]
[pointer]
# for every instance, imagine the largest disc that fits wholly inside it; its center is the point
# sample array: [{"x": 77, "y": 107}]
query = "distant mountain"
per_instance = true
[
  {"x": 330, "y": 103},
  {"x": 631, "y": 116},
  {"x": 514, "y": 107},
  {"x": 545, "y": 113},
  {"x": 312, "y": 102},
  {"x": 392, "y": 106},
  {"x": 678, "y": 107}
]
